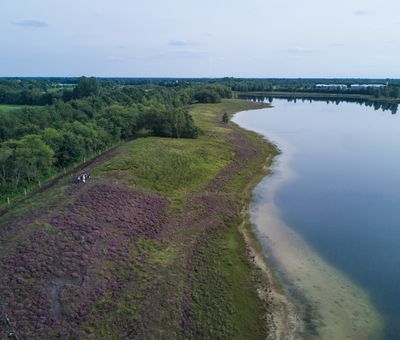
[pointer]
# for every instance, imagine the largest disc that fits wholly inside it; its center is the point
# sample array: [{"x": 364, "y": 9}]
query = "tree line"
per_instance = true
[{"x": 86, "y": 119}]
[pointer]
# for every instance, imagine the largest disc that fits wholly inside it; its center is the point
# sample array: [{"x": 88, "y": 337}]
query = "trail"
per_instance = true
[{"x": 53, "y": 182}]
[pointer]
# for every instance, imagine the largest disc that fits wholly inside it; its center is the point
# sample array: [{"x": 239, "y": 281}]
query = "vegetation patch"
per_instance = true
[
  {"x": 167, "y": 166},
  {"x": 148, "y": 248},
  {"x": 9, "y": 108}
]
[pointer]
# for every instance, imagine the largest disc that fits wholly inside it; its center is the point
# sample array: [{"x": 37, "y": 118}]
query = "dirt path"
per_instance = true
[{"x": 53, "y": 182}]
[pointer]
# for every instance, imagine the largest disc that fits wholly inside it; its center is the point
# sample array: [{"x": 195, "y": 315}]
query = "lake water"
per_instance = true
[{"x": 329, "y": 216}]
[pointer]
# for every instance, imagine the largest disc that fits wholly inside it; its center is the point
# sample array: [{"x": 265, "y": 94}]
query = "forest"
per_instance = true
[{"x": 59, "y": 125}]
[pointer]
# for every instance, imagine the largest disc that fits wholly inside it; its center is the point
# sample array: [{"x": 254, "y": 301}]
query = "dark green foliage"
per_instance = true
[
  {"x": 22, "y": 161},
  {"x": 86, "y": 87},
  {"x": 225, "y": 118},
  {"x": 173, "y": 123},
  {"x": 207, "y": 96}
]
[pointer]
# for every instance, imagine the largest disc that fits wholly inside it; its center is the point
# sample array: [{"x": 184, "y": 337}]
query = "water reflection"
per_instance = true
[{"x": 376, "y": 104}]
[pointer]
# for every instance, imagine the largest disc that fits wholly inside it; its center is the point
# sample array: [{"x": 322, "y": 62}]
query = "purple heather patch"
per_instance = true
[{"x": 53, "y": 278}]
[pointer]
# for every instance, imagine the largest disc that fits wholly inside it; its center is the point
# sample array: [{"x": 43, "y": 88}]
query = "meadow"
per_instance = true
[{"x": 149, "y": 247}]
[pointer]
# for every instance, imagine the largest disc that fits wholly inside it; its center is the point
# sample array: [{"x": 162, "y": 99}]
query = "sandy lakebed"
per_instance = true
[{"x": 311, "y": 298}]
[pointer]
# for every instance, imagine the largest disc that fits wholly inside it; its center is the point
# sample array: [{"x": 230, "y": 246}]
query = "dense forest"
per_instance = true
[
  {"x": 59, "y": 125},
  {"x": 56, "y": 123}
]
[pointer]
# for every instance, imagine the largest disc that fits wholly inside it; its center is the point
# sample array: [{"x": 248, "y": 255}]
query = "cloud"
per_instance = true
[
  {"x": 360, "y": 13},
  {"x": 31, "y": 24},
  {"x": 180, "y": 43},
  {"x": 297, "y": 50}
]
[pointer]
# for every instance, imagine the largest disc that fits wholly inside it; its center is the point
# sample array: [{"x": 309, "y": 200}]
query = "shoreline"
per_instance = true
[
  {"x": 319, "y": 95},
  {"x": 325, "y": 303},
  {"x": 285, "y": 320}
]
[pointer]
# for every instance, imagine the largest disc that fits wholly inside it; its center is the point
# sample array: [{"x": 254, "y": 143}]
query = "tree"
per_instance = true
[
  {"x": 26, "y": 159},
  {"x": 86, "y": 87},
  {"x": 35, "y": 156},
  {"x": 225, "y": 118},
  {"x": 207, "y": 96},
  {"x": 71, "y": 149}
]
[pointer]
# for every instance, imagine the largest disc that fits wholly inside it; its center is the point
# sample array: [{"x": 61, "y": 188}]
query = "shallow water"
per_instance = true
[{"x": 329, "y": 215}]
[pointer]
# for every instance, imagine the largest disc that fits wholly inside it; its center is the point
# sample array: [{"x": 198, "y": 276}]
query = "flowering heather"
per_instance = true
[
  {"x": 101, "y": 260},
  {"x": 52, "y": 279}
]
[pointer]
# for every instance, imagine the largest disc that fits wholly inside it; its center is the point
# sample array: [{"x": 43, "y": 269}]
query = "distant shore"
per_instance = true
[{"x": 318, "y": 95}]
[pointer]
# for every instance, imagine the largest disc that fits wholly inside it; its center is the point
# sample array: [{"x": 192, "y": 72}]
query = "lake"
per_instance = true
[{"x": 329, "y": 216}]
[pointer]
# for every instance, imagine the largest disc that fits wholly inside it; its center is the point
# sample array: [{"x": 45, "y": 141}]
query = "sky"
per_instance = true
[{"x": 202, "y": 38}]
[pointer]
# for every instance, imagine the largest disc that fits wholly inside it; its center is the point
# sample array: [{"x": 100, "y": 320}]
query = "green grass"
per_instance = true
[
  {"x": 231, "y": 307},
  {"x": 9, "y": 108},
  {"x": 205, "y": 115},
  {"x": 173, "y": 167},
  {"x": 167, "y": 166}
]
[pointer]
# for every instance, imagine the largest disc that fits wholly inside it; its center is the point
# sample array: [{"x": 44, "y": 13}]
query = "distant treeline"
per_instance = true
[
  {"x": 79, "y": 121},
  {"x": 390, "y": 90},
  {"x": 377, "y": 105},
  {"x": 44, "y": 91}
]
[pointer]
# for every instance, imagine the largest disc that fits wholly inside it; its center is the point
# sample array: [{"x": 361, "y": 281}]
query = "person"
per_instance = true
[{"x": 82, "y": 178}]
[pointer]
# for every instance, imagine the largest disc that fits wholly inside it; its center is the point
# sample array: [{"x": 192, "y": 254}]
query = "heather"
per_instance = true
[{"x": 148, "y": 248}]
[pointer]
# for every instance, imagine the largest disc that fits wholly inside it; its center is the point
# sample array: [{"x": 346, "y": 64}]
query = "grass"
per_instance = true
[
  {"x": 173, "y": 167},
  {"x": 206, "y": 115},
  {"x": 9, "y": 108},
  {"x": 167, "y": 166}
]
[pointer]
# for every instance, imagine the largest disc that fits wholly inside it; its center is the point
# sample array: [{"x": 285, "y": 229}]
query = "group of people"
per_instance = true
[{"x": 83, "y": 178}]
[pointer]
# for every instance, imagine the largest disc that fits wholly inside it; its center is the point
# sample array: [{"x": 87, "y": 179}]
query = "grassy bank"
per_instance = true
[{"x": 150, "y": 247}]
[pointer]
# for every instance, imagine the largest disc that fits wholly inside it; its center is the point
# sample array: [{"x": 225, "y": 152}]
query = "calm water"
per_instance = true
[{"x": 344, "y": 199}]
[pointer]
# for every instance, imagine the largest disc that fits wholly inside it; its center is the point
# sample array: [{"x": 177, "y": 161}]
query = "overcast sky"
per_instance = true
[{"x": 202, "y": 38}]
